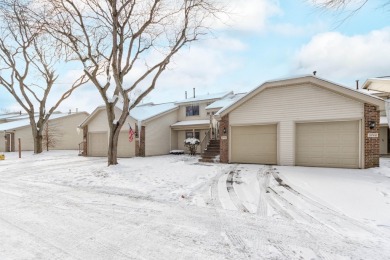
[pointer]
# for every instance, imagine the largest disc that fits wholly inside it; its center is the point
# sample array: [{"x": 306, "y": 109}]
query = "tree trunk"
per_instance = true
[
  {"x": 113, "y": 146},
  {"x": 38, "y": 147}
]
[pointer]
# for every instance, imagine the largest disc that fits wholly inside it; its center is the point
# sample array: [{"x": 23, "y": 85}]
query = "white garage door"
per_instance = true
[
  {"x": 125, "y": 148},
  {"x": 254, "y": 144},
  {"x": 330, "y": 144},
  {"x": 97, "y": 144}
]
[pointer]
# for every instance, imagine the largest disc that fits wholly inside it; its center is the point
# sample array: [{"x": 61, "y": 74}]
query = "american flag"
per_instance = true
[{"x": 131, "y": 134}]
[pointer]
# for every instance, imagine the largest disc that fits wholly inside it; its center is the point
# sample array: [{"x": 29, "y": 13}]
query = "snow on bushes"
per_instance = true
[{"x": 192, "y": 144}]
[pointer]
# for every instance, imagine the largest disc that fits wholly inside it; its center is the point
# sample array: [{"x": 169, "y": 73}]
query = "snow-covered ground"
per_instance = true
[{"x": 58, "y": 205}]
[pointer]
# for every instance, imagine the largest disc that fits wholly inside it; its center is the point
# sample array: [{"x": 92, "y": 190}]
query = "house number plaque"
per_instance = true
[{"x": 372, "y": 135}]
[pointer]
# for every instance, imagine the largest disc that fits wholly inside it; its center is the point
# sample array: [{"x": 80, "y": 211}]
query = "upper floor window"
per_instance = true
[{"x": 192, "y": 110}]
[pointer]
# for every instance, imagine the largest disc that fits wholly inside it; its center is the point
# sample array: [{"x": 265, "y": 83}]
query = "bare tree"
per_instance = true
[
  {"x": 51, "y": 135},
  {"x": 27, "y": 62},
  {"x": 125, "y": 45},
  {"x": 350, "y": 7}
]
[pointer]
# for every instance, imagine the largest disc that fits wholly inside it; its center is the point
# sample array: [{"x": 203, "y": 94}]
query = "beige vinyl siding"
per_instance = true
[
  {"x": 174, "y": 138},
  {"x": 26, "y": 138},
  {"x": 125, "y": 148},
  {"x": 379, "y": 85},
  {"x": 383, "y": 140},
  {"x": 202, "y": 112},
  {"x": 157, "y": 133},
  {"x": 285, "y": 106},
  {"x": 65, "y": 131},
  {"x": 99, "y": 122}
]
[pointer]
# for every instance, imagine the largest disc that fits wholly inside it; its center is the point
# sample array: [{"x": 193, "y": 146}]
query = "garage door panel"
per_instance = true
[
  {"x": 328, "y": 144},
  {"x": 254, "y": 144},
  {"x": 97, "y": 144},
  {"x": 125, "y": 148}
]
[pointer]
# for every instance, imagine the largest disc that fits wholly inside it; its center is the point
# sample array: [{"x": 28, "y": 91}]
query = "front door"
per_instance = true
[{"x": 10, "y": 142}]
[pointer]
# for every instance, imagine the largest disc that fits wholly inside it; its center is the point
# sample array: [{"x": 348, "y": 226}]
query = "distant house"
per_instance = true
[{"x": 62, "y": 126}]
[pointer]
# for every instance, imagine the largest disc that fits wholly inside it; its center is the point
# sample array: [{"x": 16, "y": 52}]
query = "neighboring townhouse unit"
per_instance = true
[
  {"x": 380, "y": 87},
  {"x": 159, "y": 128},
  {"x": 305, "y": 121},
  {"x": 62, "y": 129},
  {"x": 150, "y": 122},
  {"x": 194, "y": 120}
]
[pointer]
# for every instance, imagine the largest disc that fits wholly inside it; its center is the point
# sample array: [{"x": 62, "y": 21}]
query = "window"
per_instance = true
[
  {"x": 191, "y": 135},
  {"x": 192, "y": 110}
]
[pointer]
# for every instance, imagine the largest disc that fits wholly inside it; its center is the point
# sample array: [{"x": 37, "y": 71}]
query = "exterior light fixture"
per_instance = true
[
  {"x": 224, "y": 130},
  {"x": 371, "y": 124}
]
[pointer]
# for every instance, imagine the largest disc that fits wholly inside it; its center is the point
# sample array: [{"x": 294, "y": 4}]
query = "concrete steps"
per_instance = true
[{"x": 211, "y": 153}]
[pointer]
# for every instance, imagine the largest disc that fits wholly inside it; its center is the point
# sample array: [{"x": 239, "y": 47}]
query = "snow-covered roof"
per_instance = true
[
  {"x": 26, "y": 122},
  {"x": 205, "y": 97},
  {"x": 370, "y": 92},
  {"x": 147, "y": 111},
  {"x": 9, "y": 115},
  {"x": 191, "y": 122},
  {"x": 225, "y": 101}
]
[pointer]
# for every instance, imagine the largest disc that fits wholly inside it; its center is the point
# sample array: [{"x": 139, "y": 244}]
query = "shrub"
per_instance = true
[{"x": 192, "y": 144}]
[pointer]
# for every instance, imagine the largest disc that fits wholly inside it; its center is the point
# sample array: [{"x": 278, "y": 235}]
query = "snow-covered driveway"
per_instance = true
[{"x": 61, "y": 206}]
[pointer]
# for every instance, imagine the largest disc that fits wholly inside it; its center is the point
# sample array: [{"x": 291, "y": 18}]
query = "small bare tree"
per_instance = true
[
  {"x": 27, "y": 65},
  {"x": 125, "y": 45},
  {"x": 51, "y": 135}
]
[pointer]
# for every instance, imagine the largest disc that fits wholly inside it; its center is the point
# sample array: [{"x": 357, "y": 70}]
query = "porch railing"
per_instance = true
[
  {"x": 81, "y": 149},
  {"x": 204, "y": 142}
]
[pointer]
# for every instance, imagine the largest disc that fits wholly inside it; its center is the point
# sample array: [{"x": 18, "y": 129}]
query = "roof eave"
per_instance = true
[{"x": 146, "y": 120}]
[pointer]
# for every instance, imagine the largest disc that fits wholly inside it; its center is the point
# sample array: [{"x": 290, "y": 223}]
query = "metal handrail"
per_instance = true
[
  {"x": 81, "y": 148},
  {"x": 202, "y": 143}
]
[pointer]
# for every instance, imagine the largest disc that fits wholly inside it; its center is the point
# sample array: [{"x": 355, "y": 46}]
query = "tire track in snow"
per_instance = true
[
  {"x": 334, "y": 220},
  {"x": 232, "y": 193},
  {"x": 227, "y": 230},
  {"x": 59, "y": 254}
]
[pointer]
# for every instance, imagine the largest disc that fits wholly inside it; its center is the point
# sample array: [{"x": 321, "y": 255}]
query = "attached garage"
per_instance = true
[
  {"x": 98, "y": 144},
  {"x": 328, "y": 144},
  {"x": 305, "y": 121},
  {"x": 254, "y": 144}
]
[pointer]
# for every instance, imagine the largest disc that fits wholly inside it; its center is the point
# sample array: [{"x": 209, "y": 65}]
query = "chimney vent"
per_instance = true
[
  {"x": 70, "y": 111},
  {"x": 77, "y": 110},
  {"x": 357, "y": 84},
  {"x": 194, "y": 92},
  {"x": 186, "y": 94}
]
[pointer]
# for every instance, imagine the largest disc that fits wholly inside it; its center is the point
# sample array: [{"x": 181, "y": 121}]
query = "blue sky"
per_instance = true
[{"x": 264, "y": 40}]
